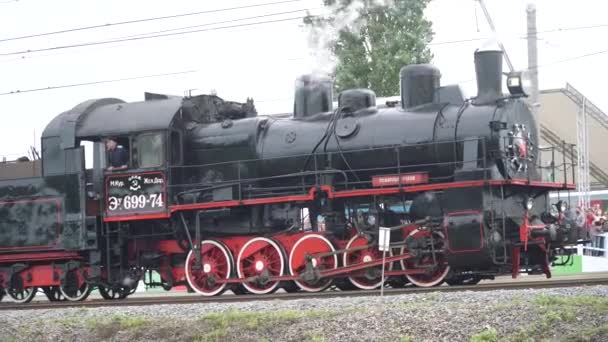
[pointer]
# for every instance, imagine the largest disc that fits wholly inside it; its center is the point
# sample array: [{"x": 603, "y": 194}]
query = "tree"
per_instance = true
[{"x": 372, "y": 39}]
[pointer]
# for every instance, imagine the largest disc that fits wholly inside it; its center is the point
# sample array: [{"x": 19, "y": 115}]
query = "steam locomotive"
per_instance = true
[{"x": 216, "y": 197}]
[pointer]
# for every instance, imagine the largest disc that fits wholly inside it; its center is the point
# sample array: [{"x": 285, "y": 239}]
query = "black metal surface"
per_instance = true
[
  {"x": 126, "y": 118},
  {"x": 41, "y": 214}
]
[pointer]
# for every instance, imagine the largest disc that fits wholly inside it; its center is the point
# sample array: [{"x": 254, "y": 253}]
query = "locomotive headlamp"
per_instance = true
[
  {"x": 518, "y": 83},
  {"x": 530, "y": 203}
]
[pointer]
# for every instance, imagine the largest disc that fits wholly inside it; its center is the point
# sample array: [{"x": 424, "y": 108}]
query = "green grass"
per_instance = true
[
  {"x": 597, "y": 303},
  {"x": 107, "y": 328},
  {"x": 221, "y": 323},
  {"x": 486, "y": 335},
  {"x": 588, "y": 334},
  {"x": 559, "y": 310},
  {"x": 553, "y": 311},
  {"x": 317, "y": 338},
  {"x": 120, "y": 321}
]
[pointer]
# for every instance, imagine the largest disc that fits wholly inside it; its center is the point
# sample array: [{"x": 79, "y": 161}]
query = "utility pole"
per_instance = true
[{"x": 533, "y": 58}]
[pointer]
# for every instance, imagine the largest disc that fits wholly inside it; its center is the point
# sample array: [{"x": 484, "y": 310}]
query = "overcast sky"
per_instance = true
[{"x": 260, "y": 61}]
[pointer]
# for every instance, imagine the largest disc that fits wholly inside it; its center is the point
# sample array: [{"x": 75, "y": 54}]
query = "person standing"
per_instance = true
[{"x": 118, "y": 157}]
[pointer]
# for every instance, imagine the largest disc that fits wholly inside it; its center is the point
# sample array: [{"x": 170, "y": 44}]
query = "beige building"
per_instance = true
[{"x": 558, "y": 124}]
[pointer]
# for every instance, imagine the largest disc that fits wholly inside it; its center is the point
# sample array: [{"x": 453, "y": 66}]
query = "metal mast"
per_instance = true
[
  {"x": 491, "y": 23},
  {"x": 582, "y": 141}
]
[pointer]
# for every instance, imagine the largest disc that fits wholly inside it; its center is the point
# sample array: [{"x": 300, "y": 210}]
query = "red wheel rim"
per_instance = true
[
  {"x": 216, "y": 263},
  {"x": 260, "y": 256},
  {"x": 312, "y": 244},
  {"x": 436, "y": 275},
  {"x": 365, "y": 255}
]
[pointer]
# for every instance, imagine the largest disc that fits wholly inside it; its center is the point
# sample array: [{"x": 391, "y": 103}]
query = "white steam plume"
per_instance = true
[{"x": 321, "y": 60}]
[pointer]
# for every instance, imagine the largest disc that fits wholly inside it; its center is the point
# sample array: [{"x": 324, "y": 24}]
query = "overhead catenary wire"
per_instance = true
[
  {"x": 218, "y": 22},
  {"x": 139, "y": 36},
  {"x": 272, "y": 100},
  {"x": 102, "y": 42},
  {"x": 521, "y": 35},
  {"x": 24, "y": 56},
  {"x": 148, "y": 19},
  {"x": 150, "y": 35},
  {"x": 97, "y": 82}
]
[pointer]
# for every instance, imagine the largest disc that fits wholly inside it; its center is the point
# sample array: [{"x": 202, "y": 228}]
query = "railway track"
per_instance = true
[{"x": 193, "y": 299}]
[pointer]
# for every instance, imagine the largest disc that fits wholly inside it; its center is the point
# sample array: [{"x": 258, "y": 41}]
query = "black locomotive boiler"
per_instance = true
[{"x": 218, "y": 197}]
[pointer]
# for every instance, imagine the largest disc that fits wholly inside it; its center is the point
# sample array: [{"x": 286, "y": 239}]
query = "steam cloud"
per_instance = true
[{"x": 321, "y": 37}]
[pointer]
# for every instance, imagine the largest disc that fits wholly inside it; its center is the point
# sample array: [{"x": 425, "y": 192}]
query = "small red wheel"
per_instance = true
[
  {"x": 260, "y": 257},
  {"x": 216, "y": 264},
  {"x": 436, "y": 275},
  {"x": 373, "y": 277},
  {"x": 312, "y": 244}
]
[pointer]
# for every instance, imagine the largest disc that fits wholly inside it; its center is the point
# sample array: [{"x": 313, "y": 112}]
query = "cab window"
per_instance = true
[{"x": 150, "y": 151}]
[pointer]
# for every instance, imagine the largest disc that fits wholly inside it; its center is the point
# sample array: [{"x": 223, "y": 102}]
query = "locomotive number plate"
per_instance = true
[
  {"x": 404, "y": 179},
  {"x": 135, "y": 193}
]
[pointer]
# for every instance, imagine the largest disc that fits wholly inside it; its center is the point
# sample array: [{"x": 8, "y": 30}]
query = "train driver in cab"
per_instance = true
[{"x": 118, "y": 157}]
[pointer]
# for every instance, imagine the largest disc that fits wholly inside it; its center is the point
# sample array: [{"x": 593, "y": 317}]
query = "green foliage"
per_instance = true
[
  {"x": 406, "y": 339},
  {"x": 375, "y": 38},
  {"x": 486, "y": 335}
]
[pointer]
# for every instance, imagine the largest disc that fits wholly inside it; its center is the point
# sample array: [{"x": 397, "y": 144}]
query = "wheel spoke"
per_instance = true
[
  {"x": 260, "y": 256},
  {"x": 217, "y": 258},
  {"x": 361, "y": 278},
  {"x": 312, "y": 244},
  {"x": 437, "y": 271}
]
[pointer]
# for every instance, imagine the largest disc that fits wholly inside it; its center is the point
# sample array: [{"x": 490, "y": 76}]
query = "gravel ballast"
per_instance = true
[{"x": 564, "y": 314}]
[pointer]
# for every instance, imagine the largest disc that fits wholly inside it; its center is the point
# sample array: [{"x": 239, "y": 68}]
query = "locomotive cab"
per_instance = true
[{"x": 151, "y": 134}]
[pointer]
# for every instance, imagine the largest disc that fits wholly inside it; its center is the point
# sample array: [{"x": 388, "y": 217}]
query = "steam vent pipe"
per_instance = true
[{"x": 488, "y": 69}]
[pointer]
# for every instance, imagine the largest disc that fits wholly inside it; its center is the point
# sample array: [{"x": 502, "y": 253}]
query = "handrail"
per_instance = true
[{"x": 252, "y": 186}]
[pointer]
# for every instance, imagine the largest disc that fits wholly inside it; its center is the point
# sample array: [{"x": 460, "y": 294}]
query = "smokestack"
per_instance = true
[
  {"x": 488, "y": 69},
  {"x": 313, "y": 95}
]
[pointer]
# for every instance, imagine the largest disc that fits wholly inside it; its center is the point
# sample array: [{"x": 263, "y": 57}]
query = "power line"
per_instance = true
[
  {"x": 218, "y": 22},
  {"x": 457, "y": 41},
  {"x": 97, "y": 82},
  {"x": 522, "y": 35},
  {"x": 23, "y": 57},
  {"x": 573, "y": 28},
  {"x": 573, "y": 58},
  {"x": 146, "y": 37},
  {"x": 148, "y": 19},
  {"x": 270, "y": 100}
]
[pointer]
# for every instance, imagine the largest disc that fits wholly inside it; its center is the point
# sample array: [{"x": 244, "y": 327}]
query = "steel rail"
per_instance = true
[{"x": 194, "y": 299}]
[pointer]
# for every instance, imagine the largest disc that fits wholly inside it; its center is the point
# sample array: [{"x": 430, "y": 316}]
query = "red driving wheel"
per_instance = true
[
  {"x": 312, "y": 244},
  {"x": 436, "y": 273},
  {"x": 260, "y": 257},
  {"x": 216, "y": 264},
  {"x": 371, "y": 278}
]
